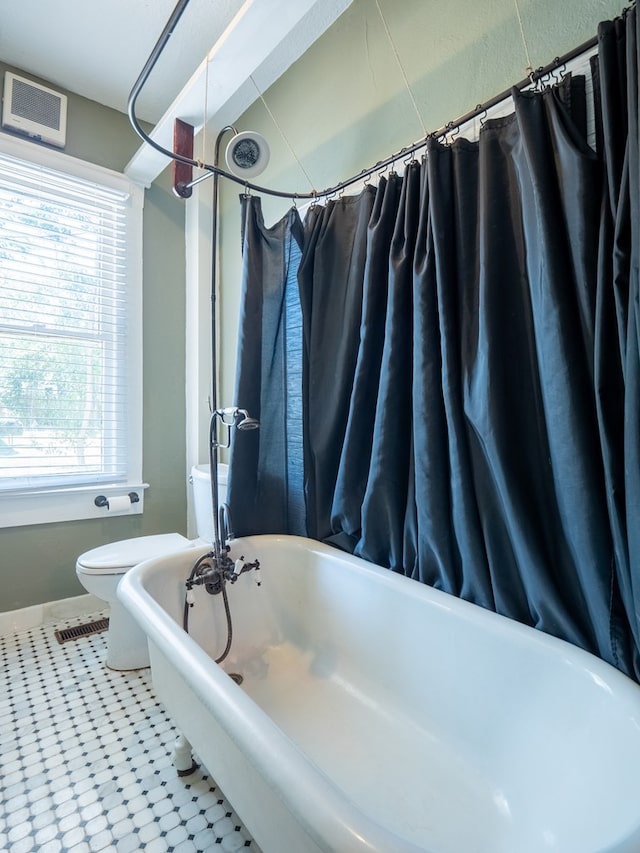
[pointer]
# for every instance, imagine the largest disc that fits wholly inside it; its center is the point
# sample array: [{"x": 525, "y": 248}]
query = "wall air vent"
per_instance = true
[{"x": 34, "y": 110}]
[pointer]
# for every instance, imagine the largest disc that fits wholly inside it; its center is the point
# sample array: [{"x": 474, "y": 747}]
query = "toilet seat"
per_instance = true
[{"x": 116, "y": 557}]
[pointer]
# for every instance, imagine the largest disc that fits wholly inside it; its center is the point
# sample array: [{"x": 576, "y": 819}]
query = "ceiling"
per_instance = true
[{"x": 98, "y": 49}]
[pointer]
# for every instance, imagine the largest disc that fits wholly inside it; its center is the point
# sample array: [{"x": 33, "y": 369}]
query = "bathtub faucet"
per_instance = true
[
  {"x": 240, "y": 567},
  {"x": 213, "y": 573}
]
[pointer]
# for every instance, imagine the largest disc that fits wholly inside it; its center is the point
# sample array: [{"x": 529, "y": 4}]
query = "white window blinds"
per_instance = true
[{"x": 65, "y": 383}]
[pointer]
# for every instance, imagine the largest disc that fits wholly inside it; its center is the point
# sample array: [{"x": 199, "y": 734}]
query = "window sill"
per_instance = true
[{"x": 50, "y": 506}]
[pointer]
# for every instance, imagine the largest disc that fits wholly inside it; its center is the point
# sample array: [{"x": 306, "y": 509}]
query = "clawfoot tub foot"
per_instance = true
[{"x": 182, "y": 757}]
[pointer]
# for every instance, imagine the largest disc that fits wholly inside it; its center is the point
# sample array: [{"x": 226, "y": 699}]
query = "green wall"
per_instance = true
[
  {"x": 344, "y": 106},
  {"x": 37, "y": 563}
]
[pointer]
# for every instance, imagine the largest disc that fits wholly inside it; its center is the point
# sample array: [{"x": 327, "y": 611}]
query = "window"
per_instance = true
[{"x": 70, "y": 336}]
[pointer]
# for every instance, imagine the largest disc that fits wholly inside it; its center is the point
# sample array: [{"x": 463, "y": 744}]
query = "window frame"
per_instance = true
[{"x": 76, "y": 502}]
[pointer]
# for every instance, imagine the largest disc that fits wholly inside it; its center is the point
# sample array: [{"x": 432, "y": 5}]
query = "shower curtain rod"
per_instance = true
[{"x": 533, "y": 78}]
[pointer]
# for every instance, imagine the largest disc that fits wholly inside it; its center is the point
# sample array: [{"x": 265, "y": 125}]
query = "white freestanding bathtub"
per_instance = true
[{"x": 377, "y": 714}]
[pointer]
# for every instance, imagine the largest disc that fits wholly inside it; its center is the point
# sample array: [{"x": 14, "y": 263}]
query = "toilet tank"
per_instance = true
[{"x": 201, "y": 484}]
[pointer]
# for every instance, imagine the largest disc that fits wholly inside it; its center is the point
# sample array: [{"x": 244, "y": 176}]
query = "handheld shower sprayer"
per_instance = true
[
  {"x": 247, "y": 423},
  {"x": 232, "y": 417}
]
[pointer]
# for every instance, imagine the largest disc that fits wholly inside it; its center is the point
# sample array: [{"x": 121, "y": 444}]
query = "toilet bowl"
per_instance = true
[{"x": 100, "y": 570}]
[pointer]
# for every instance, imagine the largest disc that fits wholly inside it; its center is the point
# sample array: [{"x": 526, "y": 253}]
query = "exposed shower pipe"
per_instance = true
[
  {"x": 215, "y": 169},
  {"x": 215, "y": 412},
  {"x": 231, "y": 417}
]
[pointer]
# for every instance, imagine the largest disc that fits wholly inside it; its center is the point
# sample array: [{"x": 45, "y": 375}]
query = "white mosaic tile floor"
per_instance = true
[{"x": 85, "y": 758}]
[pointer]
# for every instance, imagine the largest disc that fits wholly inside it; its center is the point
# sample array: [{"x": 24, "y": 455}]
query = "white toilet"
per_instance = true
[{"x": 99, "y": 570}]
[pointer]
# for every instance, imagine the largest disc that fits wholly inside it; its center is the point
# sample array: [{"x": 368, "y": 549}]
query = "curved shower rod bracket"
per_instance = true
[{"x": 183, "y": 145}]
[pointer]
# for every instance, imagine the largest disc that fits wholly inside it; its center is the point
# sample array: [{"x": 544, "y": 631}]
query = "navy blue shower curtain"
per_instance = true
[
  {"x": 266, "y": 480},
  {"x": 470, "y": 363}
]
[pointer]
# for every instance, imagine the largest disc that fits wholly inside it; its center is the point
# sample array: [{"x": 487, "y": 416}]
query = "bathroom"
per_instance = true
[{"x": 342, "y": 106}]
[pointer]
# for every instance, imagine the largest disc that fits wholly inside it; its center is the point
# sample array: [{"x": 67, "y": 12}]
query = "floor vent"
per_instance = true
[{"x": 81, "y": 630}]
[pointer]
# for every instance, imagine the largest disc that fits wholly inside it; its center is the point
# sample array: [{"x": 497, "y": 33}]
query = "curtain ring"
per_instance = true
[
  {"x": 449, "y": 135},
  {"x": 562, "y": 70},
  {"x": 403, "y": 151}
]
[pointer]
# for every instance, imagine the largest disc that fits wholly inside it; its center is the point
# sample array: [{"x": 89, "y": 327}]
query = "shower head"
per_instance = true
[
  {"x": 247, "y": 154},
  {"x": 244, "y": 421},
  {"x": 248, "y": 423},
  {"x": 232, "y": 416}
]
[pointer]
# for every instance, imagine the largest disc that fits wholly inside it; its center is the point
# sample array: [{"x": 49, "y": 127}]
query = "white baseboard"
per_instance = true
[{"x": 49, "y": 613}]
